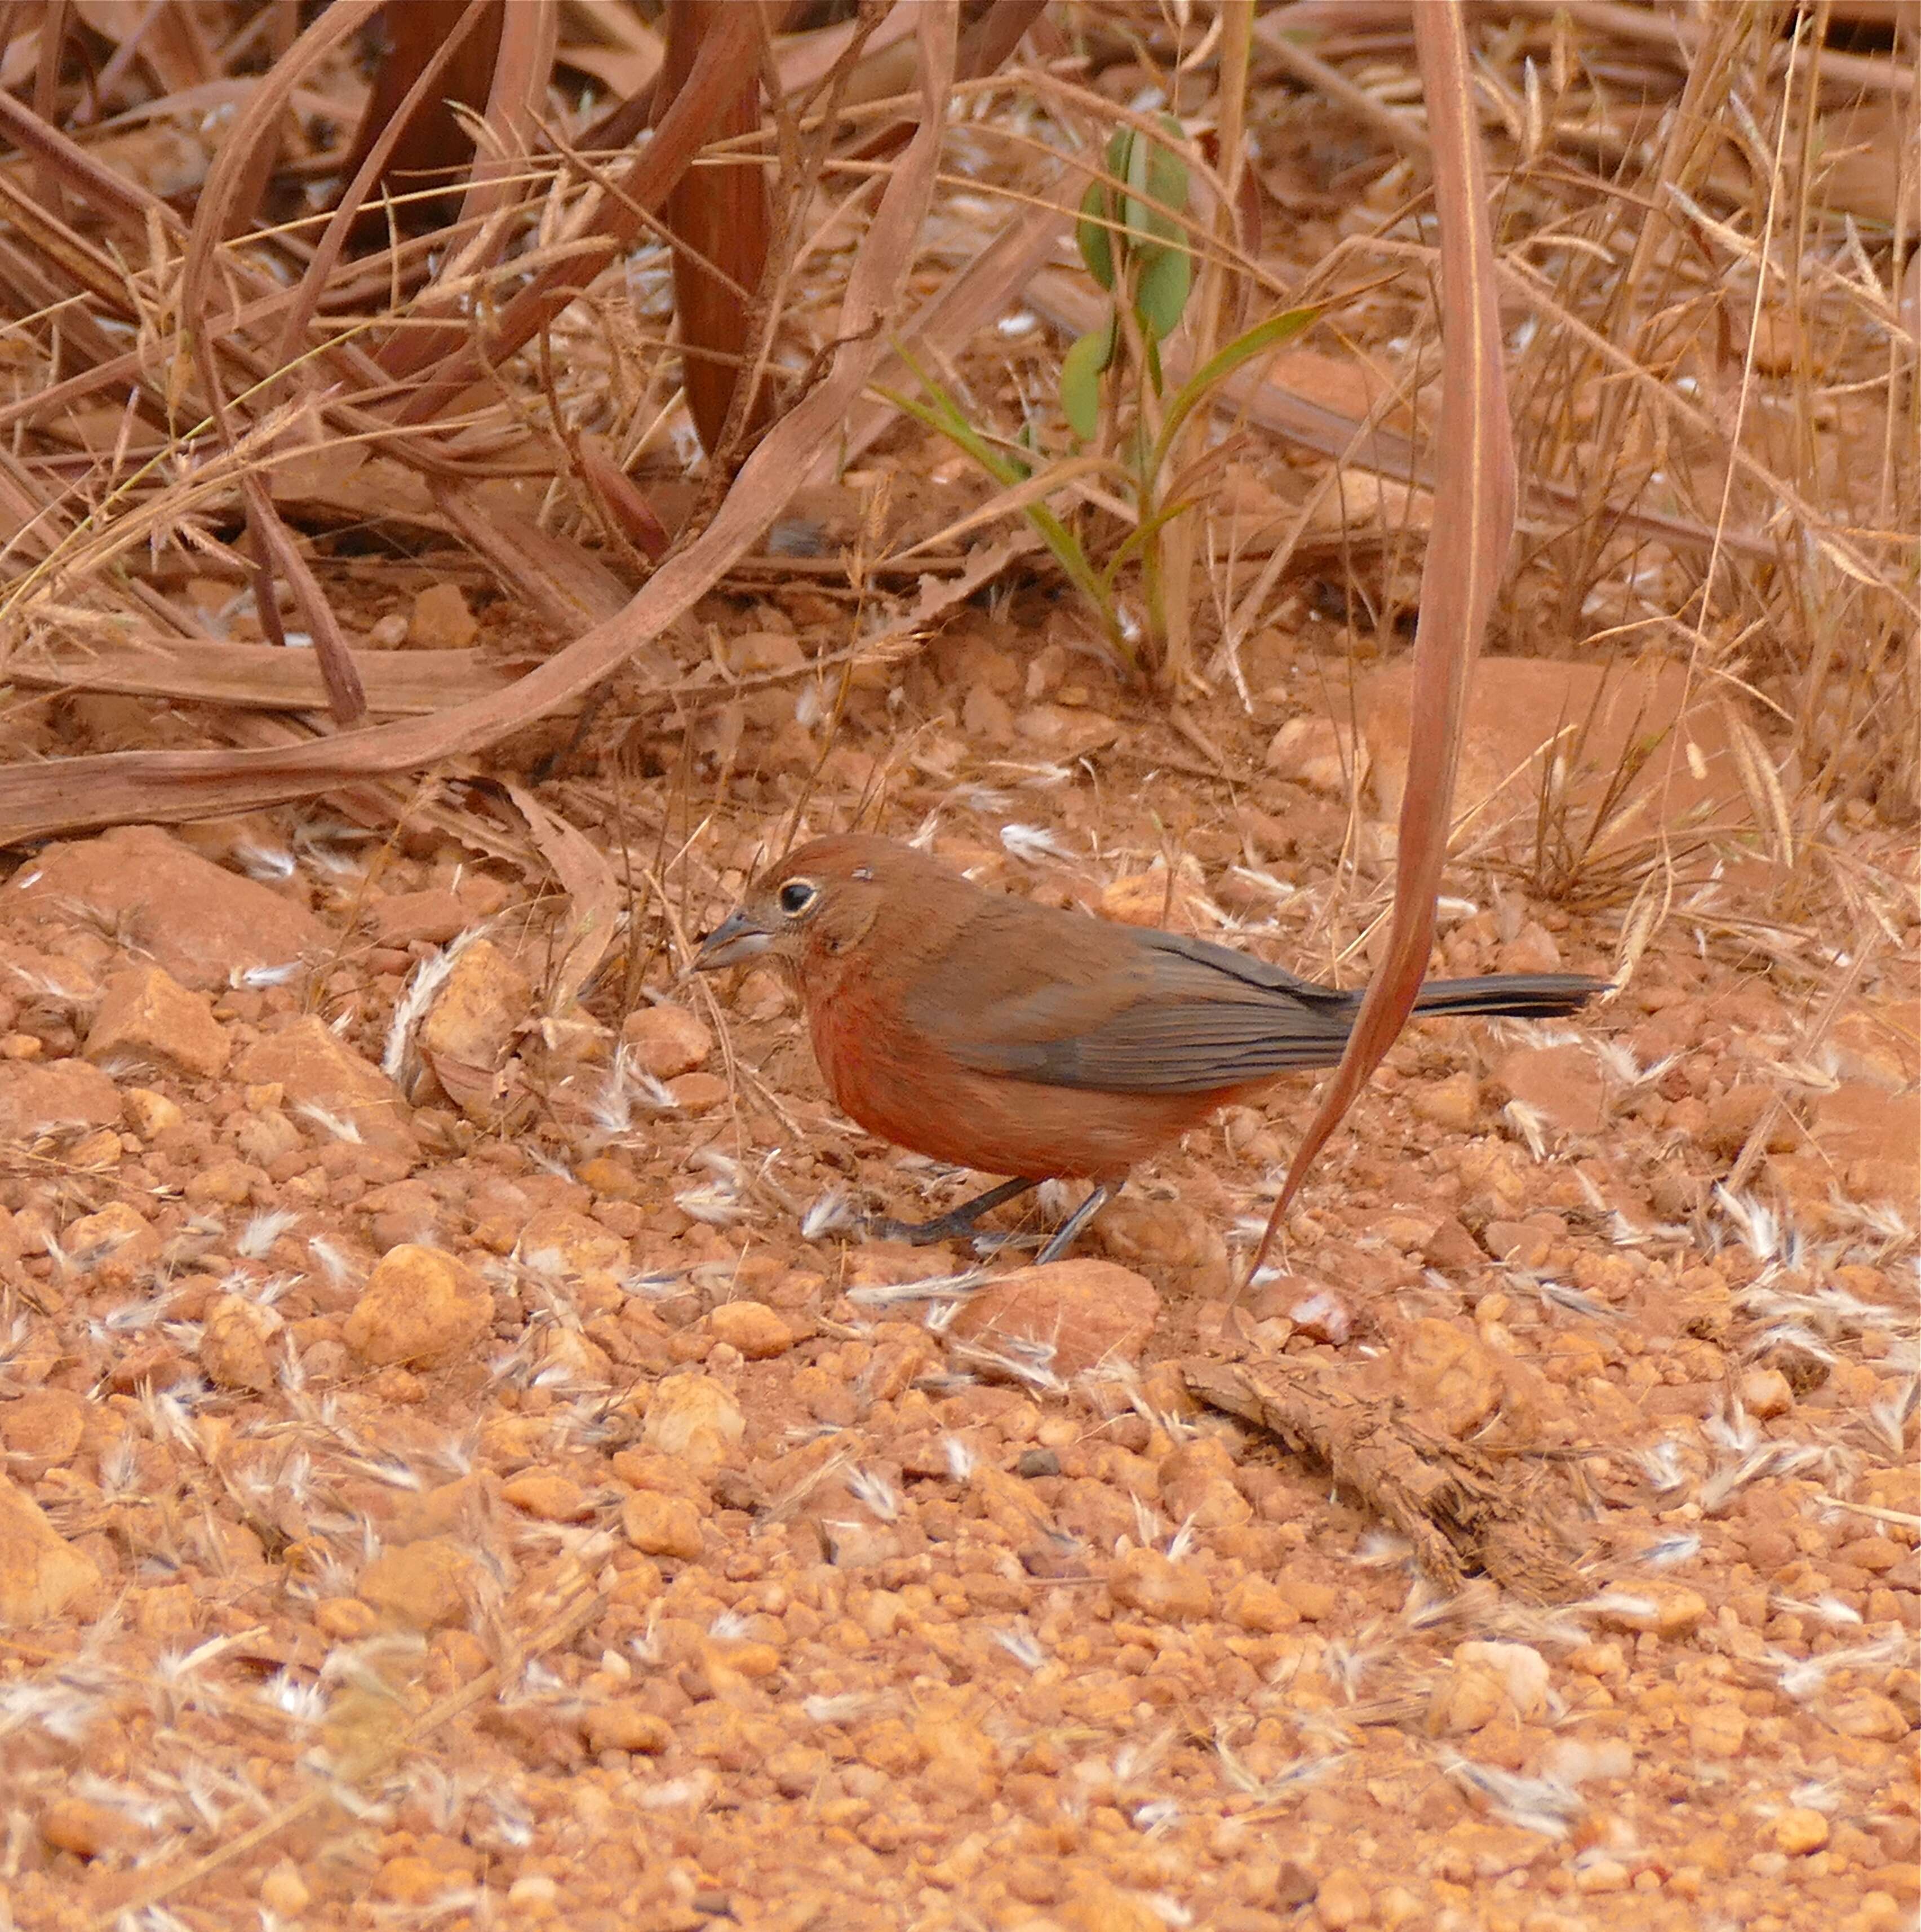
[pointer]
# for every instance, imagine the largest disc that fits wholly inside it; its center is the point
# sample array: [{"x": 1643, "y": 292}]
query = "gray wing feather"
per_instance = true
[{"x": 1202, "y": 1018}]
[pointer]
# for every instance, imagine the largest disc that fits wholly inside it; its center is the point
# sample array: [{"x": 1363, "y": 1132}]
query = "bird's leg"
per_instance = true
[
  {"x": 957, "y": 1223},
  {"x": 1064, "y": 1237}
]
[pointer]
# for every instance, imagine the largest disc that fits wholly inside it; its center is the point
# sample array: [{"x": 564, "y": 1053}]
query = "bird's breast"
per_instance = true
[{"x": 903, "y": 1085}]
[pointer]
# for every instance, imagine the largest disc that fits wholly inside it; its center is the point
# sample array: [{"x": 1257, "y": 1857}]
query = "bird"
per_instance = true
[{"x": 982, "y": 1030}]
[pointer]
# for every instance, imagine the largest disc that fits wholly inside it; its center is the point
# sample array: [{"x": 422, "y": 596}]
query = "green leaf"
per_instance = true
[
  {"x": 1166, "y": 279},
  {"x": 1140, "y": 158},
  {"x": 1218, "y": 367},
  {"x": 1081, "y": 370},
  {"x": 1092, "y": 232},
  {"x": 1166, "y": 179},
  {"x": 1143, "y": 534}
]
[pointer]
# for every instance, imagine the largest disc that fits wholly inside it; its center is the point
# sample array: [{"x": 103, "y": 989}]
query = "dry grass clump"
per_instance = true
[{"x": 270, "y": 320}]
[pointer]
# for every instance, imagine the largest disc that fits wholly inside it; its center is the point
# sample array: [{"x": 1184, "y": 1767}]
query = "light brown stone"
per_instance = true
[
  {"x": 41, "y": 1430},
  {"x": 752, "y": 1327},
  {"x": 557, "y": 1240},
  {"x": 661, "y": 1526},
  {"x": 37, "y": 1097},
  {"x": 666, "y": 1041},
  {"x": 1718, "y": 1730},
  {"x": 1524, "y": 712},
  {"x": 1174, "y": 1235},
  {"x": 419, "y": 1307},
  {"x": 1157, "y": 897},
  {"x": 405, "y": 919},
  {"x": 1197, "y": 1485},
  {"x": 1255, "y": 1604},
  {"x": 1452, "y": 1104},
  {"x": 148, "y": 1113},
  {"x": 479, "y": 1009},
  {"x": 424, "y": 1586},
  {"x": 198, "y": 921},
  {"x": 86, "y": 1829},
  {"x": 116, "y": 1247},
  {"x": 1316, "y": 752},
  {"x": 1448, "y": 1377},
  {"x": 549, "y": 1495},
  {"x": 1867, "y": 1714},
  {"x": 42, "y": 1576},
  {"x": 627, "y": 1725},
  {"x": 315, "y": 1068},
  {"x": 1084, "y": 1311},
  {"x": 694, "y": 1418},
  {"x": 1798, "y": 1831},
  {"x": 1343, "y": 1900},
  {"x": 441, "y": 620},
  {"x": 145, "y": 1015},
  {"x": 1158, "y": 1586},
  {"x": 1563, "y": 1085},
  {"x": 1653, "y": 1603},
  {"x": 237, "y": 1338}
]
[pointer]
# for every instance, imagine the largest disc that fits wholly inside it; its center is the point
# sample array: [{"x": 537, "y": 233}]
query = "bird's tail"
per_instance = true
[{"x": 1528, "y": 996}]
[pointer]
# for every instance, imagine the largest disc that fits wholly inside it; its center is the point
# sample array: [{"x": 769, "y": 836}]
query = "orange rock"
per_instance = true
[
  {"x": 660, "y": 1525},
  {"x": 1450, "y": 1378},
  {"x": 419, "y": 1306},
  {"x": 478, "y": 1011},
  {"x": 1562, "y": 1084},
  {"x": 146, "y": 1016},
  {"x": 1524, "y": 712},
  {"x": 198, "y": 921},
  {"x": 752, "y": 1327},
  {"x": 86, "y": 1829},
  {"x": 116, "y": 1247},
  {"x": 441, "y": 620},
  {"x": 315, "y": 1068},
  {"x": 402, "y": 918},
  {"x": 1077, "y": 1313},
  {"x": 41, "y": 1575},
  {"x": 35, "y": 1095},
  {"x": 237, "y": 1337},
  {"x": 427, "y": 1585},
  {"x": 627, "y": 1725},
  {"x": 666, "y": 1041},
  {"x": 1158, "y": 1586}
]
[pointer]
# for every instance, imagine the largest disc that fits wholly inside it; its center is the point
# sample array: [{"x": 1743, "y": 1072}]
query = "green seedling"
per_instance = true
[{"x": 1132, "y": 234}]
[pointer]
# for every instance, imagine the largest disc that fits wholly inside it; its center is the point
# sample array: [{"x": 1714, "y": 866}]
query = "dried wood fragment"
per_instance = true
[{"x": 1452, "y": 1503}]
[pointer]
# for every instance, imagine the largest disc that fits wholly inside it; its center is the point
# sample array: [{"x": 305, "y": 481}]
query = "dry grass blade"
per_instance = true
[
  {"x": 567, "y": 588},
  {"x": 594, "y": 901},
  {"x": 1467, "y": 551},
  {"x": 413, "y": 136},
  {"x": 640, "y": 190},
  {"x": 719, "y": 217},
  {"x": 258, "y": 677}
]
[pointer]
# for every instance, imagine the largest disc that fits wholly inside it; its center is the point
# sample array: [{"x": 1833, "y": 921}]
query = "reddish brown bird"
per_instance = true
[{"x": 1015, "y": 1039}]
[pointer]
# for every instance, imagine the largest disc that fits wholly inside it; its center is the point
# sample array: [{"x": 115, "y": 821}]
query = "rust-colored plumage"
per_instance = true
[{"x": 985, "y": 1030}]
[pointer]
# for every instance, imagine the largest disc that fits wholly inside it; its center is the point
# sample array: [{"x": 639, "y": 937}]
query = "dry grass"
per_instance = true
[{"x": 1700, "y": 246}]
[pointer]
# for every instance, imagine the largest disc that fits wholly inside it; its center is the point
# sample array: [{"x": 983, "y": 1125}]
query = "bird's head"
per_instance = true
[{"x": 816, "y": 904}]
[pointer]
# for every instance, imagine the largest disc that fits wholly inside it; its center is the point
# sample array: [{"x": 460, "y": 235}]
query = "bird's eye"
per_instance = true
[{"x": 796, "y": 895}]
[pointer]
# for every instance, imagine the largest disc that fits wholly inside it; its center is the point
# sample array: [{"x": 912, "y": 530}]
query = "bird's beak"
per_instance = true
[{"x": 736, "y": 938}]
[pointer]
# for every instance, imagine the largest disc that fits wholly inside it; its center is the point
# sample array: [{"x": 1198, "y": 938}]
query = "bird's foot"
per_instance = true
[
  {"x": 958, "y": 1224},
  {"x": 1070, "y": 1231}
]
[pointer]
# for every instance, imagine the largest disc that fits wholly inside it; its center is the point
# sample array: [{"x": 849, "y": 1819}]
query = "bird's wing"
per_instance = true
[{"x": 1116, "y": 1009}]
